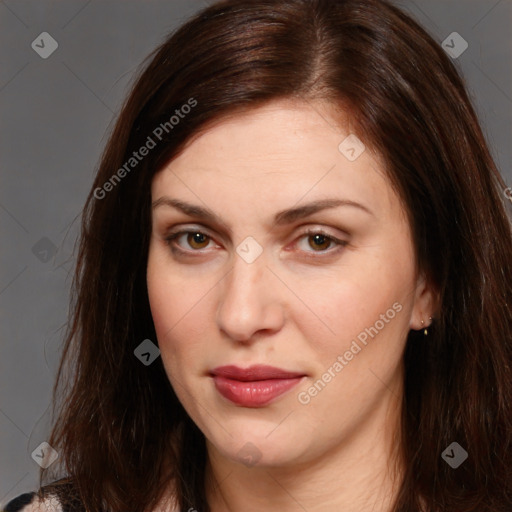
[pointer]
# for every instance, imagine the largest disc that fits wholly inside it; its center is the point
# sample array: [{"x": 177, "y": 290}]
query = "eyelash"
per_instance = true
[{"x": 340, "y": 243}]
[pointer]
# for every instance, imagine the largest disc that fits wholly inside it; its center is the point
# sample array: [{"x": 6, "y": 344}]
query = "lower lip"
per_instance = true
[{"x": 253, "y": 393}]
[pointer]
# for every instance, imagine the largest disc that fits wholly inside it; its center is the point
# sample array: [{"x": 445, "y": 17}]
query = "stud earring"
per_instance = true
[{"x": 425, "y": 331}]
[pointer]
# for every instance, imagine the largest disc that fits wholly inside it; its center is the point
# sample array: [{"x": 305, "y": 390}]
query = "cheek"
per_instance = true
[
  {"x": 353, "y": 367},
  {"x": 352, "y": 315},
  {"x": 365, "y": 300},
  {"x": 178, "y": 308},
  {"x": 355, "y": 295}
]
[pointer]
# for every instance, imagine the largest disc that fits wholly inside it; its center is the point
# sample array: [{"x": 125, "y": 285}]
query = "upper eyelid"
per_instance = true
[
  {"x": 206, "y": 231},
  {"x": 186, "y": 230}
]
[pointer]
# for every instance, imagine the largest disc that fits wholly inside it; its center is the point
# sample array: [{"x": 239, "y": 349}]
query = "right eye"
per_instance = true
[{"x": 194, "y": 238}]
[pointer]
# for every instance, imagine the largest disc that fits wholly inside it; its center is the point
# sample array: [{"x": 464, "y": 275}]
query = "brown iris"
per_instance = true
[
  {"x": 320, "y": 241},
  {"x": 195, "y": 239}
]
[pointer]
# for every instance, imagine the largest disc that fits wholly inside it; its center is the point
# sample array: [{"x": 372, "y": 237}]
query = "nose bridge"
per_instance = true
[
  {"x": 249, "y": 301},
  {"x": 244, "y": 282},
  {"x": 249, "y": 267}
]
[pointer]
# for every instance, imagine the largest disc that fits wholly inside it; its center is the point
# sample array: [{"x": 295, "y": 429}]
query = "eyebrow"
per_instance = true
[{"x": 281, "y": 218}]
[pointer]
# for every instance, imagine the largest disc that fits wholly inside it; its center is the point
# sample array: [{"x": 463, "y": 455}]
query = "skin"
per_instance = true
[{"x": 298, "y": 307}]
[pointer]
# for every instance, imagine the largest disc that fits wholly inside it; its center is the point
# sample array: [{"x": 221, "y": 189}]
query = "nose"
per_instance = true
[{"x": 250, "y": 304}]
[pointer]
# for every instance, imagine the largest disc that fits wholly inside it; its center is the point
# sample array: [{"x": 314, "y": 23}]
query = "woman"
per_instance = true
[{"x": 293, "y": 285}]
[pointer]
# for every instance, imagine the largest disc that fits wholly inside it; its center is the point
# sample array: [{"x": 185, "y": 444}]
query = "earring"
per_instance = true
[{"x": 425, "y": 331}]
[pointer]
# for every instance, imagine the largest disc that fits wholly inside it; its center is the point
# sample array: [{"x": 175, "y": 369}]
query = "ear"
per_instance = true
[{"x": 425, "y": 304}]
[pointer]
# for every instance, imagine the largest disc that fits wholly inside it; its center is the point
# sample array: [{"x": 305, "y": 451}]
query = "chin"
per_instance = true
[{"x": 260, "y": 447}]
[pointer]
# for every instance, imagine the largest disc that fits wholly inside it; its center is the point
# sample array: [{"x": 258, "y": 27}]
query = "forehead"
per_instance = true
[
  {"x": 279, "y": 153},
  {"x": 282, "y": 129}
]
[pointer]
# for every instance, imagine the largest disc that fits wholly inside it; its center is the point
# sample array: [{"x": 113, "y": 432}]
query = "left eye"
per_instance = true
[
  {"x": 320, "y": 241},
  {"x": 316, "y": 240}
]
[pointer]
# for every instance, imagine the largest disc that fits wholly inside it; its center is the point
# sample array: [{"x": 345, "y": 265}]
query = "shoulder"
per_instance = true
[
  {"x": 49, "y": 498},
  {"x": 58, "y": 497},
  {"x": 30, "y": 502}
]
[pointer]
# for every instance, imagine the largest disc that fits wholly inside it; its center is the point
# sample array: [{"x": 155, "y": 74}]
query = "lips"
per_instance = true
[{"x": 255, "y": 386}]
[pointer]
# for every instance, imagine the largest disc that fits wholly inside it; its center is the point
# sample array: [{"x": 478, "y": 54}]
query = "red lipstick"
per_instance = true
[{"x": 255, "y": 386}]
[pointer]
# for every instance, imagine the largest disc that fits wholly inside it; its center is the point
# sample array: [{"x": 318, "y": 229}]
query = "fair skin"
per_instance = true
[{"x": 298, "y": 306}]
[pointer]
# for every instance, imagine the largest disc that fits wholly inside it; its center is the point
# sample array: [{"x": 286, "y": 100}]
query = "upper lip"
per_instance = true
[{"x": 252, "y": 373}]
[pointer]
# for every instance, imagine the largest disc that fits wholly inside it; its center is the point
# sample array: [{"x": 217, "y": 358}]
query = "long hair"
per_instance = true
[{"x": 120, "y": 430}]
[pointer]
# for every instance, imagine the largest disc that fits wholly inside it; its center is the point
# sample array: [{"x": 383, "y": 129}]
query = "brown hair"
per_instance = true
[{"x": 119, "y": 420}]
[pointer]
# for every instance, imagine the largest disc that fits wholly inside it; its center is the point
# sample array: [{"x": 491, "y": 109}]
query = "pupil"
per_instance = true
[
  {"x": 320, "y": 240},
  {"x": 197, "y": 239}
]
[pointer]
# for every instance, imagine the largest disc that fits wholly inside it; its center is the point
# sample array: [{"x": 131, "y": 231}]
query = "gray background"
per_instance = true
[{"x": 54, "y": 117}]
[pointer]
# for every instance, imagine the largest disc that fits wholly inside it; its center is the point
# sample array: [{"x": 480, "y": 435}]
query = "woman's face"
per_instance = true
[{"x": 303, "y": 263}]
